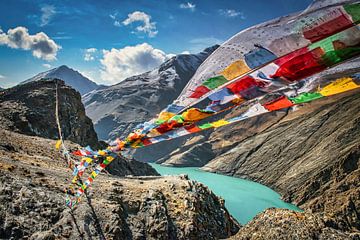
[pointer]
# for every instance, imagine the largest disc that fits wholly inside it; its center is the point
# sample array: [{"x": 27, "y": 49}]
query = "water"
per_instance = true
[{"x": 244, "y": 199}]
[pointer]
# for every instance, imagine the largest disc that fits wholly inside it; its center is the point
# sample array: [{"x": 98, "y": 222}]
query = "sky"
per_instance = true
[{"x": 108, "y": 41}]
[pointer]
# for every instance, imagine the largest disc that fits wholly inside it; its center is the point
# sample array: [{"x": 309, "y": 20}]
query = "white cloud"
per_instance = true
[
  {"x": 119, "y": 64},
  {"x": 117, "y": 23},
  {"x": 40, "y": 44},
  {"x": 47, "y": 12},
  {"x": 188, "y": 5},
  {"x": 185, "y": 52},
  {"x": 147, "y": 26},
  {"x": 89, "y": 54},
  {"x": 231, "y": 13},
  {"x": 46, "y": 65},
  {"x": 2, "y": 76}
]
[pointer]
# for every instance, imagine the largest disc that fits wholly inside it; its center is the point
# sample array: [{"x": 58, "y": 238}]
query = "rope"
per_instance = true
[{"x": 65, "y": 152}]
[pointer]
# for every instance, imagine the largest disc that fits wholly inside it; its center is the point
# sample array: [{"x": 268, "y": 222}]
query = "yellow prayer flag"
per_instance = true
[
  {"x": 194, "y": 114},
  {"x": 58, "y": 144},
  {"x": 339, "y": 86},
  {"x": 235, "y": 70},
  {"x": 165, "y": 116},
  {"x": 88, "y": 160},
  {"x": 101, "y": 152},
  {"x": 220, "y": 123}
]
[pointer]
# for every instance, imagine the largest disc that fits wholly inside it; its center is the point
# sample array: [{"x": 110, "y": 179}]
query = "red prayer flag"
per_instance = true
[
  {"x": 244, "y": 83},
  {"x": 146, "y": 141},
  {"x": 192, "y": 128},
  {"x": 199, "y": 91},
  {"x": 300, "y": 66}
]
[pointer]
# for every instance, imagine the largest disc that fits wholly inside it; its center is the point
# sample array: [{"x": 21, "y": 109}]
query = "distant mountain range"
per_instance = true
[
  {"x": 117, "y": 109},
  {"x": 70, "y": 76}
]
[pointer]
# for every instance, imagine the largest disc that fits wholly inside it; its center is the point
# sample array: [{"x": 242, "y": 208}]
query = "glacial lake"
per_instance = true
[{"x": 244, "y": 199}]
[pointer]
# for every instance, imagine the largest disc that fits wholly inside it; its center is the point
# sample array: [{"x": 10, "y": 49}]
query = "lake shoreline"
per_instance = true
[{"x": 244, "y": 199}]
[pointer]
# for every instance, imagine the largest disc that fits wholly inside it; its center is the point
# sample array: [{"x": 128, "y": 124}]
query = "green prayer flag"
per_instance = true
[
  {"x": 354, "y": 11},
  {"x": 327, "y": 43},
  {"x": 206, "y": 125},
  {"x": 215, "y": 82},
  {"x": 159, "y": 121},
  {"x": 334, "y": 57},
  {"x": 305, "y": 97},
  {"x": 177, "y": 118}
]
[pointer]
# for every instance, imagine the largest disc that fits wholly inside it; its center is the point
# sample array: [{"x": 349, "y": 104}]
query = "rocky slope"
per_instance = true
[
  {"x": 117, "y": 109},
  {"x": 30, "y": 109},
  {"x": 282, "y": 224},
  {"x": 33, "y": 176},
  {"x": 311, "y": 158},
  {"x": 70, "y": 76}
]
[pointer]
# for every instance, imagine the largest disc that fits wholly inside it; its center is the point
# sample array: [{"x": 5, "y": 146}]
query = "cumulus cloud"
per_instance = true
[
  {"x": 118, "y": 64},
  {"x": 89, "y": 54},
  {"x": 148, "y": 27},
  {"x": 188, "y": 5},
  {"x": 40, "y": 44},
  {"x": 46, "y": 65},
  {"x": 2, "y": 76},
  {"x": 47, "y": 12},
  {"x": 231, "y": 13}
]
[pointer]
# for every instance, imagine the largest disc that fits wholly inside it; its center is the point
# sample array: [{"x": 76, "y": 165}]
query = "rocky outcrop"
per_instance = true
[
  {"x": 30, "y": 109},
  {"x": 33, "y": 176},
  {"x": 282, "y": 224}
]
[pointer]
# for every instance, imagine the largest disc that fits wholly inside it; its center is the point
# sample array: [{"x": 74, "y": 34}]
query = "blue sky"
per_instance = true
[{"x": 110, "y": 40}]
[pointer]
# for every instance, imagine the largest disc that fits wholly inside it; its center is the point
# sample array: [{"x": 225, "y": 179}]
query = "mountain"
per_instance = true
[
  {"x": 70, "y": 76},
  {"x": 117, "y": 109}
]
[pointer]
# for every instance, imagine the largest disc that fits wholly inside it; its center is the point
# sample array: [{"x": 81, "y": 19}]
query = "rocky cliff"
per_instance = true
[
  {"x": 33, "y": 176},
  {"x": 30, "y": 109}
]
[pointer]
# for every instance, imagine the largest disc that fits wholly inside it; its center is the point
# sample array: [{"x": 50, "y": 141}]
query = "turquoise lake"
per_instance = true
[{"x": 244, "y": 199}]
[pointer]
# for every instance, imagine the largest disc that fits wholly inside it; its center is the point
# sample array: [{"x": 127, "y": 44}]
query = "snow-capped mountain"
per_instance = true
[
  {"x": 70, "y": 76},
  {"x": 117, "y": 109}
]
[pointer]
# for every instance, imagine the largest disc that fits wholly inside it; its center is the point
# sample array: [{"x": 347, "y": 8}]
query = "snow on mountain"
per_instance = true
[
  {"x": 70, "y": 76},
  {"x": 117, "y": 109}
]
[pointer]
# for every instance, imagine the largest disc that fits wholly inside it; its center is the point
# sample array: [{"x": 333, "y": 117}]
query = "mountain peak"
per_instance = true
[
  {"x": 64, "y": 67},
  {"x": 70, "y": 76}
]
